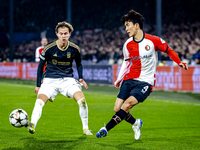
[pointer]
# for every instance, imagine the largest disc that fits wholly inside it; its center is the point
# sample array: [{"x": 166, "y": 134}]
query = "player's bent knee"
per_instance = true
[
  {"x": 77, "y": 95},
  {"x": 127, "y": 106},
  {"x": 82, "y": 102},
  {"x": 43, "y": 97},
  {"x": 40, "y": 102}
]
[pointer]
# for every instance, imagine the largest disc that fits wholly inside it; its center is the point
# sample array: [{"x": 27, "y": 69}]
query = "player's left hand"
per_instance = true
[
  {"x": 184, "y": 65},
  {"x": 84, "y": 83}
]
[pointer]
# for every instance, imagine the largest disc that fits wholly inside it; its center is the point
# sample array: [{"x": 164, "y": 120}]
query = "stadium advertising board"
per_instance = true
[
  {"x": 100, "y": 74},
  {"x": 19, "y": 70},
  {"x": 167, "y": 77},
  {"x": 173, "y": 78}
]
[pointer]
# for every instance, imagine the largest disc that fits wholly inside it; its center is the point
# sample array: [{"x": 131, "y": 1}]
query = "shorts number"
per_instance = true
[{"x": 145, "y": 89}]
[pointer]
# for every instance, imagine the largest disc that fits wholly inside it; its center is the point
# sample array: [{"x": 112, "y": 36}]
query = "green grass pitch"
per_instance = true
[{"x": 171, "y": 121}]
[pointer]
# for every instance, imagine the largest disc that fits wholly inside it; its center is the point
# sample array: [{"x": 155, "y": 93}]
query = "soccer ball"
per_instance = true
[{"x": 18, "y": 118}]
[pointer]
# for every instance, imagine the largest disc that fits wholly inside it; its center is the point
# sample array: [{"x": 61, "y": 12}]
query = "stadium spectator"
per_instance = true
[
  {"x": 137, "y": 73},
  {"x": 38, "y": 51},
  {"x": 59, "y": 56},
  {"x": 197, "y": 60},
  {"x": 163, "y": 62}
]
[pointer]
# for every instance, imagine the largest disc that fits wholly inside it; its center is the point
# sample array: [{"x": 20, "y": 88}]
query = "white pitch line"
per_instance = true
[
  {"x": 21, "y": 85},
  {"x": 176, "y": 102}
]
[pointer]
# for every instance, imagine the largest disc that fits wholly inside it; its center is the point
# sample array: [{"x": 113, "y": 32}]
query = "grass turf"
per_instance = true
[{"x": 171, "y": 121}]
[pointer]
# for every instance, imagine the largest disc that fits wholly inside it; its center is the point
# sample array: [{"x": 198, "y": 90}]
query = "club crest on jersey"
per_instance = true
[
  {"x": 147, "y": 47},
  {"x": 54, "y": 61},
  {"x": 68, "y": 55}
]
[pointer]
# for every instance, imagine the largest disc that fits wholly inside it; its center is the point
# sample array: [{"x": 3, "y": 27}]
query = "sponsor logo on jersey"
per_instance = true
[
  {"x": 139, "y": 57},
  {"x": 63, "y": 63},
  {"x": 147, "y": 47},
  {"x": 68, "y": 55}
]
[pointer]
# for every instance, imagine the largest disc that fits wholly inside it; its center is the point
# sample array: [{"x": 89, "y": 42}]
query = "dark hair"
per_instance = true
[
  {"x": 134, "y": 17},
  {"x": 62, "y": 25}
]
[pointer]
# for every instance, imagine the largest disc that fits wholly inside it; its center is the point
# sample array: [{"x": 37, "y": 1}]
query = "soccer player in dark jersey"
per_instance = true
[
  {"x": 137, "y": 73},
  {"x": 58, "y": 78}
]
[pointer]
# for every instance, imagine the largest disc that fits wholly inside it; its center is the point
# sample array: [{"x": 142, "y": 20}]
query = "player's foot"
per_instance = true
[
  {"x": 87, "y": 132},
  {"x": 30, "y": 128},
  {"x": 102, "y": 132},
  {"x": 136, "y": 128},
  {"x": 50, "y": 100}
]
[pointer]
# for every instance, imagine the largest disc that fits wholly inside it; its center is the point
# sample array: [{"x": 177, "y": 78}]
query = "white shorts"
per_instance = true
[{"x": 66, "y": 86}]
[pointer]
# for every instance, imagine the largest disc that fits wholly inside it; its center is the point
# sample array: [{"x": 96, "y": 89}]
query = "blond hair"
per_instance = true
[{"x": 64, "y": 24}]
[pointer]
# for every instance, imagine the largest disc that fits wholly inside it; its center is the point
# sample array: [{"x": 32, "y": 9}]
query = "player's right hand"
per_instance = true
[
  {"x": 37, "y": 89},
  {"x": 117, "y": 83}
]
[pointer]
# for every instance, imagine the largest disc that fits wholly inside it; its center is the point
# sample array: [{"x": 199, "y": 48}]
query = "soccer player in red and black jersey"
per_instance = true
[
  {"x": 39, "y": 50},
  {"x": 137, "y": 74}
]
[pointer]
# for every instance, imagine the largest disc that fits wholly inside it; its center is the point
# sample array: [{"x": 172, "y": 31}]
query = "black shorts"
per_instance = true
[{"x": 139, "y": 89}]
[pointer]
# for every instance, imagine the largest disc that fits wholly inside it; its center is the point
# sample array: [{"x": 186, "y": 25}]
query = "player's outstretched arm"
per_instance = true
[
  {"x": 84, "y": 83},
  {"x": 183, "y": 65},
  {"x": 172, "y": 54}
]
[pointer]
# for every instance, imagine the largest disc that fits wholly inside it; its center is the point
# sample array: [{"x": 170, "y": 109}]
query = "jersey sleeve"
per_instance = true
[
  {"x": 40, "y": 72},
  {"x": 79, "y": 64},
  {"x": 123, "y": 70},
  {"x": 125, "y": 64},
  {"x": 41, "y": 66},
  {"x": 162, "y": 46},
  {"x": 172, "y": 54},
  {"x": 37, "y": 59},
  {"x": 43, "y": 55}
]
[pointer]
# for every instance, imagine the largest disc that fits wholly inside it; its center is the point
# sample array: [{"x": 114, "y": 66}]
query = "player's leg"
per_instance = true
[
  {"x": 37, "y": 111},
  {"x": 121, "y": 114},
  {"x": 72, "y": 88},
  {"x": 50, "y": 99},
  {"x": 118, "y": 104},
  {"x": 137, "y": 123},
  {"x": 118, "y": 117},
  {"x": 83, "y": 111},
  {"x": 137, "y": 95},
  {"x": 45, "y": 92}
]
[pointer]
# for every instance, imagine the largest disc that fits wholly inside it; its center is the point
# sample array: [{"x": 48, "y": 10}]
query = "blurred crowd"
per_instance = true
[
  {"x": 98, "y": 30},
  {"x": 105, "y": 46}
]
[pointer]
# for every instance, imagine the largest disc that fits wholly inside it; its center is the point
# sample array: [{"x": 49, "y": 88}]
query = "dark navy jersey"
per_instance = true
[{"x": 59, "y": 61}]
